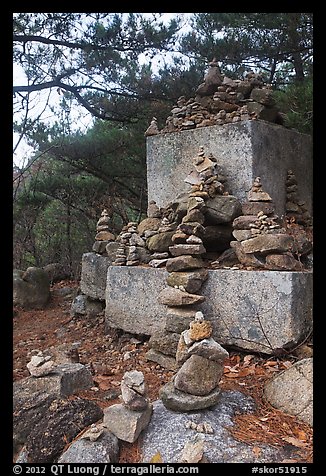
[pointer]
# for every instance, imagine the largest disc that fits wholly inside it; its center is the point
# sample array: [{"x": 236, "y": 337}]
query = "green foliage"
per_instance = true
[{"x": 296, "y": 102}]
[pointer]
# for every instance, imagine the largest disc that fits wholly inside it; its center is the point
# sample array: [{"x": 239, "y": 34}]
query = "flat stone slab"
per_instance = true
[
  {"x": 243, "y": 150},
  {"x": 64, "y": 380},
  {"x": 93, "y": 275},
  {"x": 167, "y": 434},
  {"x": 257, "y": 311}
]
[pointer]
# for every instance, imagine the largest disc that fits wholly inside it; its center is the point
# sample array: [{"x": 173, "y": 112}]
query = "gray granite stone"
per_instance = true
[
  {"x": 244, "y": 150},
  {"x": 291, "y": 391},
  {"x": 93, "y": 275},
  {"x": 272, "y": 309},
  {"x": 219, "y": 447}
]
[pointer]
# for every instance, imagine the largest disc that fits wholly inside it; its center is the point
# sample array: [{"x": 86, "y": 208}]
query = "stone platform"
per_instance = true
[
  {"x": 254, "y": 310},
  {"x": 243, "y": 150}
]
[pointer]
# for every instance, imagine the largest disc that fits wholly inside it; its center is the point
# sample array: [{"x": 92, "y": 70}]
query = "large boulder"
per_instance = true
[
  {"x": 61, "y": 423},
  {"x": 31, "y": 289},
  {"x": 292, "y": 390},
  {"x": 169, "y": 431}
]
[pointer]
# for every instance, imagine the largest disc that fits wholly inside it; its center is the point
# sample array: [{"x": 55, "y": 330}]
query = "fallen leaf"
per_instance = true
[
  {"x": 157, "y": 458},
  {"x": 270, "y": 363},
  {"x": 256, "y": 451},
  {"x": 294, "y": 441},
  {"x": 247, "y": 359},
  {"x": 301, "y": 435},
  {"x": 240, "y": 373}
]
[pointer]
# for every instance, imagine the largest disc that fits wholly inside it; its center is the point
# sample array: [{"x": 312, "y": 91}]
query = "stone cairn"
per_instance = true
[
  {"x": 261, "y": 242},
  {"x": 103, "y": 235},
  {"x": 221, "y": 100},
  {"x": 296, "y": 209},
  {"x": 126, "y": 420},
  {"x": 40, "y": 365},
  {"x": 196, "y": 384},
  {"x": 131, "y": 247},
  {"x": 186, "y": 268}
]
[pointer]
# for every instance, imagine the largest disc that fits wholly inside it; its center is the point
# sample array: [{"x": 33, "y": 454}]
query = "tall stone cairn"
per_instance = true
[
  {"x": 186, "y": 267},
  {"x": 103, "y": 234}
]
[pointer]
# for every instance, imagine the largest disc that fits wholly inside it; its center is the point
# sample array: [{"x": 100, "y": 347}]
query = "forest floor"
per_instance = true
[{"x": 109, "y": 355}]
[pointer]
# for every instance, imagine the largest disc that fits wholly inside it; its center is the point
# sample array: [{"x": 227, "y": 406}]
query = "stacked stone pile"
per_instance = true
[
  {"x": 296, "y": 209},
  {"x": 260, "y": 240},
  {"x": 126, "y": 420},
  {"x": 196, "y": 384},
  {"x": 206, "y": 203},
  {"x": 103, "y": 236},
  {"x": 131, "y": 247},
  {"x": 221, "y": 100}
]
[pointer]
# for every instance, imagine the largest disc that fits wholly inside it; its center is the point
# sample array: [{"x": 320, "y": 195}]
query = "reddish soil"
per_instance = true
[{"x": 110, "y": 354}]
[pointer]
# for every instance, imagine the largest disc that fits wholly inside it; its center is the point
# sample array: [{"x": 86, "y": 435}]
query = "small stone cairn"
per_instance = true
[
  {"x": 196, "y": 384},
  {"x": 103, "y": 235},
  {"x": 221, "y": 100},
  {"x": 126, "y": 420},
  {"x": 186, "y": 268},
  {"x": 40, "y": 365},
  {"x": 131, "y": 249},
  {"x": 295, "y": 208},
  {"x": 261, "y": 242}
]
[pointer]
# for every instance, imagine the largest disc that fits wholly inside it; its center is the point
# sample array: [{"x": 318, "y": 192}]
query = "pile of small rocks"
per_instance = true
[
  {"x": 296, "y": 209},
  {"x": 221, "y": 100},
  {"x": 261, "y": 242},
  {"x": 131, "y": 250},
  {"x": 196, "y": 384},
  {"x": 126, "y": 420},
  {"x": 40, "y": 365}
]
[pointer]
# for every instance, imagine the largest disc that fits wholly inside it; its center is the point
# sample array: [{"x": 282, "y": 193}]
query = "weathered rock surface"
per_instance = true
[
  {"x": 178, "y": 319},
  {"x": 93, "y": 275},
  {"x": 63, "y": 420},
  {"x": 179, "y": 401},
  {"x": 160, "y": 242},
  {"x": 126, "y": 424},
  {"x": 192, "y": 280},
  {"x": 103, "y": 450},
  {"x": 222, "y": 209},
  {"x": 182, "y": 263},
  {"x": 148, "y": 224},
  {"x": 219, "y": 447},
  {"x": 198, "y": 376},
  {"x": 175, "y": 297},
  {"x": 268, "y": 243},
  {"x": 166, "y": 361},
  {"x": 64, "y": 380},
  {"x": 291, "y": 391},
  {"x": 282, "y": 300},
  {"x": 283, "y": 261},
  {"x": 244, "y": 150},
  {"x": 28, "y": 409},
  {"x": 165, "y": 342},
  {"x": 210, "y": 349},
  {"x": 31, "y": 289},
  {"x": 185, "y": 249}
]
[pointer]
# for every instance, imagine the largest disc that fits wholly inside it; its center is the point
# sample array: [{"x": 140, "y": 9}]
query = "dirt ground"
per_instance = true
[{"x": 109, "y": 355}]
